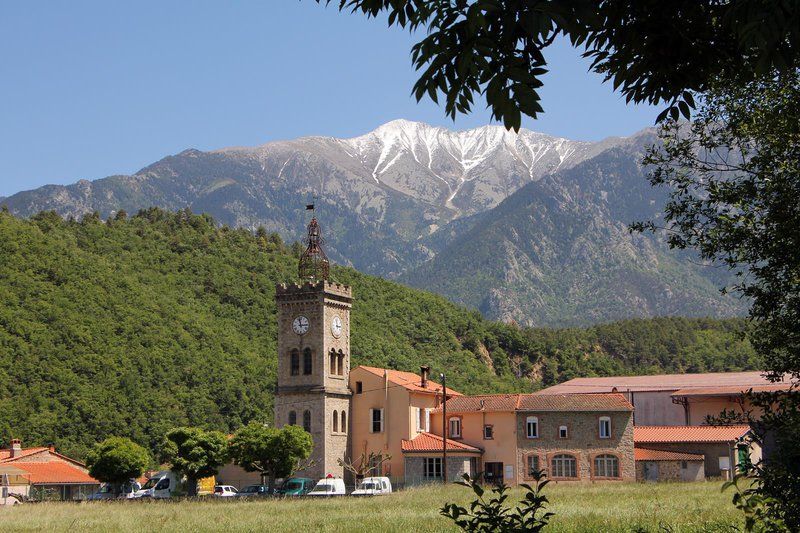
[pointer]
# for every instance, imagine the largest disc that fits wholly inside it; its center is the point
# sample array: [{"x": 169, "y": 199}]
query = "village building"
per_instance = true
[
  {"x": 662, "y": 465},
  {"x": 42, "y": 473}
]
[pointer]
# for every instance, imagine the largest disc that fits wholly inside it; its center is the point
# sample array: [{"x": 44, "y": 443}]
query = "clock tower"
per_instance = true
[{"x": 314, "y": 358}]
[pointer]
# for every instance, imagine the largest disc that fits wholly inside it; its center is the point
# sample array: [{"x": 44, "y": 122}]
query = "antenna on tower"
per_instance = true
[{"x": 313, "y": 262}]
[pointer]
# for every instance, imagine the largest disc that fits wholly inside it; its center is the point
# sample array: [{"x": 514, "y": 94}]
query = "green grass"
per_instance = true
[{"x": 602, "y": 507}]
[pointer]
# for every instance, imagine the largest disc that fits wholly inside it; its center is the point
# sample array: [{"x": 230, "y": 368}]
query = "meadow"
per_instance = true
[{"x": 632, "y": 507}]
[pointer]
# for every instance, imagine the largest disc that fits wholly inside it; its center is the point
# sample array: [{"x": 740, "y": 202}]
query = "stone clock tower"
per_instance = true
[{"x": 314, "y": 358}]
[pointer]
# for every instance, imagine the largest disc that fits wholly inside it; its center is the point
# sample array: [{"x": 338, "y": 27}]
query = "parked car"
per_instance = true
[
  {"x": 225, "y": 491},
  {"x": 296, "y": 486},
  {"x": 373, "y": 486},
  {"x": 329, "y": 486},
  {"x": 106, "y": 492},
  {"x": 255, "y": 491},
  {"x": 160, "y": 485}
]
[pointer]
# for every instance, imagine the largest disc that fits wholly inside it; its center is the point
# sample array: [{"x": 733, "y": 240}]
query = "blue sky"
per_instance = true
[{"x": 90, "y": 89}]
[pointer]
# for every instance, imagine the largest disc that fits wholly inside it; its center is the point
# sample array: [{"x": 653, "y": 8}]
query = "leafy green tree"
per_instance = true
[
  {"x": 195, "y": 453},
  {"x": 734, "y": 180},
  {"x": 652, "y": 51},
  {"x": 117, "y": 460},
  {"x": 273, "y": 452}
]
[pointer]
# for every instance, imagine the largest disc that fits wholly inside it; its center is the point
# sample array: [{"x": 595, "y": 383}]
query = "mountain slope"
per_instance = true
[{"x": 393, "y": 200}]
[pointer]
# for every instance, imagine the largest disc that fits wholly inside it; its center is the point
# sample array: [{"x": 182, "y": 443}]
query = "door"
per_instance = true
[
  {"x": 494, "y": 473},
  {"x": 742, "y": 458},
  {"x": 650, "y": 471}
]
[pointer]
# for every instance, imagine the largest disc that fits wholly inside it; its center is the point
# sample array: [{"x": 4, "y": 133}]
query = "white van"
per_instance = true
[
  {"x": 373, "y": 486},
  {"x": 330, "y": 486},
  {"x": 160, "y": 485}
]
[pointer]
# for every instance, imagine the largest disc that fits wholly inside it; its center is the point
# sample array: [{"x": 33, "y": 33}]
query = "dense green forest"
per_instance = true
[{"x": 134, "y": 325}]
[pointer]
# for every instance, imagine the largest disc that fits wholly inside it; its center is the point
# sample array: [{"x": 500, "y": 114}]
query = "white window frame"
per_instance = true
[
  {"x": 566, "y": 432},
  {"x": 532, "y": 421},
  {"x": 604, "y": 429},
  {"x": 606, "y": 465},
  {"x": 423, "y": 418},
  {"x": 454, "y": 434},
  {"x": 431, "y": 466},
  {"x": 372, "y": 420},
  {"x": 490, "y": 427}
]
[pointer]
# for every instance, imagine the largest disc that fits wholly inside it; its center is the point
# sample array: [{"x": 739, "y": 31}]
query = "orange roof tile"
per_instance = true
[
  {"x": 5, "y": 453},
  {"x": 409, "y": 380},
  {"x": 533, "y": 402},
  {"x": 428, "y": 442},
  {"x": 55, "y": 473},
  {"x": 663, "y": 434},
  {"x": 646, "y": 454},
  {"x": 658, "y": 382},
  {"x": 732, "y": 390}
]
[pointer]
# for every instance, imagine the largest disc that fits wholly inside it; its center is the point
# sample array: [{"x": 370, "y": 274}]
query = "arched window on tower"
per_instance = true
[
  {"x": 340, "y": 365},
  {"x": 307, "y": 361},
  {"x": 295, "y": 362},
  {"x": 344, "y": 422},
  {"x": 307, "y": 420},
  {"x": 336, "y": 421},
  {"x": 292, "y": 418},
  {"x": 332, "y": 362}
]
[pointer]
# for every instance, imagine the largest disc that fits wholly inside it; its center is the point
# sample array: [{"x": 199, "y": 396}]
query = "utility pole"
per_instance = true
[{"x": 444, "y": 429}]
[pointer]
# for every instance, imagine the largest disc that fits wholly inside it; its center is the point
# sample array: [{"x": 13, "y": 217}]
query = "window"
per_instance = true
[
  {"x": 307, "y": 361},
  {"x": 292, "y": 418},
  {"x": 563, "y": 432},
  {"x": 340, "y": 364},
  {"x": 606, "y": 466},
  {"x": 332, "y": 362},
  {"x": 376, "y": 418},
  {"x": 295, "y": 357},
  {"x": 532, "y": 427},
  {"x": 455, "y": 427},
  {"x": 344, "y": 422},
  {"x": 423, "y": 417},
  {"x": 359, "y": 387},
  {"x": 533, "y": 464},
  {"x": 605, "y": 427},
  {"x": 432, "y": 467},
  {"x": 336, "y": 421},
  {"x": 307, "y": 420},
  {"x": 488, "y": 432},
  {"x": 564, "y": 465}
]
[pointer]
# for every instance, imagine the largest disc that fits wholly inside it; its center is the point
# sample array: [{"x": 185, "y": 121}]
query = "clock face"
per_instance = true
[
  {"x": 336, "y": 326},
  {"x": 300, "y": 325}
]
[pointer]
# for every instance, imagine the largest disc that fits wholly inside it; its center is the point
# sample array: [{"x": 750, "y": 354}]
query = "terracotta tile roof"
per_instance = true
[
  {"x": 646, "y": 454},
  {"x": 5, "y": 453},
  {"x": 533, "y": 402},
  {"x": 55, "y": 473},
  {"x": 428, "y": 442},
  {"x": 409, "y": 380},
  {"x": 663, "y": 434},
  {"x": 658, "y": 382},
  {"x": 732, "y": 390}
]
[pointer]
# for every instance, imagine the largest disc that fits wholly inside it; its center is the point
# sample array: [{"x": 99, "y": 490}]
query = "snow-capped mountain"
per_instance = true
[{"x": 423, "y": 203}]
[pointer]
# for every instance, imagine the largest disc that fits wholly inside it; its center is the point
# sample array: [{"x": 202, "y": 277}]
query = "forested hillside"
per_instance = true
[{"x": 134, "y": 325}]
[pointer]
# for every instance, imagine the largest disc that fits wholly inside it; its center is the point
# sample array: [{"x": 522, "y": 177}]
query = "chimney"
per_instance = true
[
  {"x": 51, "y": 447},
  {"x": 424, "y": 371},
  {"x": 16, "y": 447}
]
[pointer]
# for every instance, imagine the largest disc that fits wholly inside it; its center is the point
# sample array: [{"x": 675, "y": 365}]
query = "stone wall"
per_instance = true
[
  {"x": 672, "y": 470},
  {"x": 457, "y": 466}
]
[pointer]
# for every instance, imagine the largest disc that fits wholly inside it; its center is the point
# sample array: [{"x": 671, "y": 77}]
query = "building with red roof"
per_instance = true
[{"x": 42, "y": 473}]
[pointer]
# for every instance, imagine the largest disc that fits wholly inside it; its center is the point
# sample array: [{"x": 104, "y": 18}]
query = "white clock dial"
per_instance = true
[
  {"x": 336, "y": 326},
  {"x": 300, "y": 325}
]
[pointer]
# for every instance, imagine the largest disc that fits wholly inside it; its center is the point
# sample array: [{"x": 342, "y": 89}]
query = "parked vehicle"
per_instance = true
[
  {"x": 329, "y": 486},
  {"x": 255, "y": 491},
  {"x": 107, "y": 492},
  {"x": 373, "y": 486},
  {"x": 160, "y": 485},
  {"x": 225, "y": 491},
  {"x": 296, "y": 486}
]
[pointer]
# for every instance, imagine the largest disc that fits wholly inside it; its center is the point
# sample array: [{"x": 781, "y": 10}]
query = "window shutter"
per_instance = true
[
  {"x": 427, "y": 419},
  {"x": 371, "y": 423},
  {"x": 381, "y": 420},
  {"x": 417, "y": 417}
]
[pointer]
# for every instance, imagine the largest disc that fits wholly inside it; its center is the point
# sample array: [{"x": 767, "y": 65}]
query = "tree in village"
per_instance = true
[
  {"x": 652, "y": 51},
  {"x": 117, "y": 460},
  {"x": 366, "y": 464},
  {"x": 734, "y": 181},
  {"x": 276, "y": 453},
  {"x": 195, "y": 453}
]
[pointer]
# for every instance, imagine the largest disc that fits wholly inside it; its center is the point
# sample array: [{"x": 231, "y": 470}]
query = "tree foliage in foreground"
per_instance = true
[
  {"x": 117, "y": 460},
  {"x": 194, "y": 453},
  {"x": 650, "y": 50},
  {"x": 276, "y": 453},
  {"x": 734, "y": 179},
  {"x": 137, "y": 325}
]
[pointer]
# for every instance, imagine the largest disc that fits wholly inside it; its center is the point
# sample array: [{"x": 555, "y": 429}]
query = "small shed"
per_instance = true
[{"x": 665, "y": 465}]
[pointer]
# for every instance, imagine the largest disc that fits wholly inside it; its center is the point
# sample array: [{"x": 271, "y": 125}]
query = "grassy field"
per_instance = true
[{"x": 663, "y": 507}]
